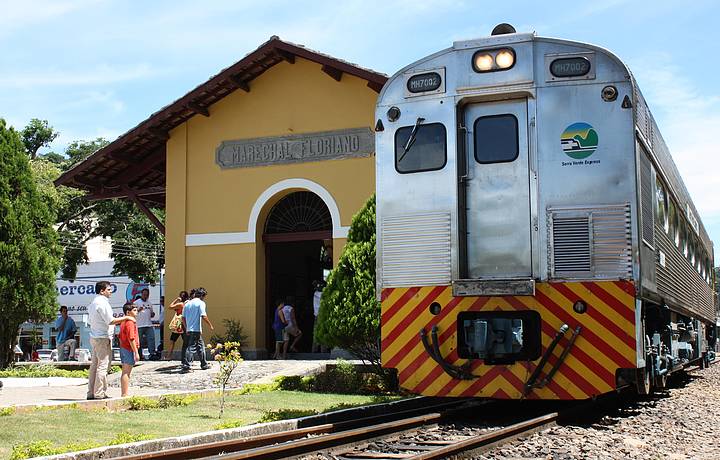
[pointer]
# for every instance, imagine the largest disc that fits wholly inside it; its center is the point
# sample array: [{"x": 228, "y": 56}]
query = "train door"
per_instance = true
[{"x": 497, "y": 211}]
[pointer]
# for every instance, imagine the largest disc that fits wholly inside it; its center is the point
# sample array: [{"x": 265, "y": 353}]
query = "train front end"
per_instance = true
[{"x": 505, "y": 200}]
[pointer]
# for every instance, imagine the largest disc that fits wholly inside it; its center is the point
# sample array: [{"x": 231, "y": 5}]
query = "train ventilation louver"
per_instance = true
[
  {"x": 415, "y": 250},
  {"x": 571, "y": 245},
  {"x": 591, "y": 242}
]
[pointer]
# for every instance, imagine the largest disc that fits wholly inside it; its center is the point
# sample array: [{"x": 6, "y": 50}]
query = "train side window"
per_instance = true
[
  {"x": 661, "y": 204},
  {"x": 691, "y": 251},
  {"x": 673, "y": 221},
  {"x": 683, "y": 237},
  {"x": 427, "y": 152},
  {"x": 496, "y": 139}
]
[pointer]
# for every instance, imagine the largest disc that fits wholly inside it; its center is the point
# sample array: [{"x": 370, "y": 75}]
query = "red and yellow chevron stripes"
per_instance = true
[{"x": 606, "y": 342}]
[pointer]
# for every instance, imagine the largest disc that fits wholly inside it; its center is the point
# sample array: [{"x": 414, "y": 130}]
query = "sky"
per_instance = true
[{"x": 96, "y": 68}]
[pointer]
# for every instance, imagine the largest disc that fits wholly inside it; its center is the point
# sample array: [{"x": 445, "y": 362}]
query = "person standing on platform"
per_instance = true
[
  {"x": 66, "y": 328},
  {"x": 194, "y": 313},
  {"x": 129, "y": 346},
  {"x": 102, "y": 327},
  {"x": 144, "y": 322},
  {"x": 292, "y": 330},
  {"x": 279, "y": 324},
  {"x": 176, "y": 324}
]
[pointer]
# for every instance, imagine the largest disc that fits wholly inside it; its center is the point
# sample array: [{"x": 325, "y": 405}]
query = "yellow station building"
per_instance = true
[{"x": 260, "y": 170}]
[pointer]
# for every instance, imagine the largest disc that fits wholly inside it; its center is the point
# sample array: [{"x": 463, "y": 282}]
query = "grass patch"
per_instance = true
[
  {"x": 30, "y": 431},
  {"x": 44, "y": 370}
]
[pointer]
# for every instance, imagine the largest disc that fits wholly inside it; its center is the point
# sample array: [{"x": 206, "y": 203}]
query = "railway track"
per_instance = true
[{"x": 368, "y": 438}]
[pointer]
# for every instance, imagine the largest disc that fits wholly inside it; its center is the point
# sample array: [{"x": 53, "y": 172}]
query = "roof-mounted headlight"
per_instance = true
[{"x": 493, "y": 60}]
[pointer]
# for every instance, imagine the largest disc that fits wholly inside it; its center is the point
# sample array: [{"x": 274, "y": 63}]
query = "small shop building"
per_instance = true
[{"x": 260, "y": 170}]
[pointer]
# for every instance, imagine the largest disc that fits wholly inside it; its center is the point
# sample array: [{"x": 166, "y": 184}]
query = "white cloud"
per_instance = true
[
  {"x": 100, "y": 75},
  {"x": 689, "y": 120},
  {"x": 17, "y": 15}
]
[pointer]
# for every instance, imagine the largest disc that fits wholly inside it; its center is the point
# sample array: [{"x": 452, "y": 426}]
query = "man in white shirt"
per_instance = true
[
  {"x": 146, "y": 331},
  {"x": 102, "y": 327}
]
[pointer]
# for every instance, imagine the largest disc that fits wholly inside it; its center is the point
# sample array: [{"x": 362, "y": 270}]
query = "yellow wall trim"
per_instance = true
[{"x": 207, "y": 239}]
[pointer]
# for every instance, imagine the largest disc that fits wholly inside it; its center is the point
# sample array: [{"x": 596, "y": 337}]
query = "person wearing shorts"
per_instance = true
[
  {"x": 279, "y": 324},
  {"x": 129, "y": 343},
  {"x": 291, "y": 330}
]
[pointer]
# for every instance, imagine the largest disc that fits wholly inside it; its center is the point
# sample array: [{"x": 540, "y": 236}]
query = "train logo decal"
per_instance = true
[{"x": 579, "y": 140}]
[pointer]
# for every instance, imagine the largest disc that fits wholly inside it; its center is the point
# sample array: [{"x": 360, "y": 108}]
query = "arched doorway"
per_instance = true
[{"x": 298, "y": 251}]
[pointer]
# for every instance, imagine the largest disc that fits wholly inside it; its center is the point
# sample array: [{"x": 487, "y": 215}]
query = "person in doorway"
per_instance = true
[
  {"x": 194, "y": 313},
  {"x": 66, "y": 328},
  {"x": 317, "y": 297},
  {"x": 129, "y": 346},
  {"x": 176, "y": 324},
  {"x": 144, "y": 321},
  {"x": 279, "y": 325},
  {"x": 292, "y": 330},
  {"x": 102, "y": 328}
]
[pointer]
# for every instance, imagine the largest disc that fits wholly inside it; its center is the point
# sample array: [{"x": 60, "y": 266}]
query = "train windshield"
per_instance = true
[{"x": 428, "y": 151}]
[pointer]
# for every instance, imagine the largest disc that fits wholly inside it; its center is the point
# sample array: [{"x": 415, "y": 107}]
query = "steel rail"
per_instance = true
[
  {"x": 307, "y": 445},
  {"x": 488, "y": 438},
  {"x": 341, "y": 429},
  {"x": 213, "y": 448}
]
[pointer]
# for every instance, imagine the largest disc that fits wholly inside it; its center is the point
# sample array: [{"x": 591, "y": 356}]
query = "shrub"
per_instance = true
[
  {"x": 343, "y": 379},
  {"x": 229, "y": 424},
  {"x": 41, "y": 371},
  {"x": 166, "y": 401},
  {"x": 228, "y": 354},
  {"x": 142, "y": 403},
  {"x": 291, "y": 383},
  {"x": 284, "y": 414},
  {"x": 33, "y": 449},
  {"x": 254, "y": 388},
  {"x": 350, "y": 312},
  {"x": 5, "y": 411},
  {"x": 45, "y": 447},
  {"x": 233, "y": 333},
  {"x": 126, "y": 438}
]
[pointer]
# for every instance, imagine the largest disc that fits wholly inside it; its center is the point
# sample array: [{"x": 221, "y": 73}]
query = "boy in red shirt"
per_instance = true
[{"x": 128, "y": 346}]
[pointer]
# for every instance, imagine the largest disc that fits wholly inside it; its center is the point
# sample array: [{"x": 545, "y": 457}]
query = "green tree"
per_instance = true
[
  {"x": 350, "y": 312},
  {"x": 138, "y": 248},
  {"x": 37, "y": 134},
  {"x": 29, "y": 252}
]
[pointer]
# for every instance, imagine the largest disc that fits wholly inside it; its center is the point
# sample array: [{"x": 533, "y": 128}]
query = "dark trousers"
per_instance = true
[{"x": 193, "y": 343}]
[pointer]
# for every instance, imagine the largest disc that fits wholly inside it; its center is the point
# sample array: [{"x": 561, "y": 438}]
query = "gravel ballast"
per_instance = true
[{"x": 680, "y": 423}]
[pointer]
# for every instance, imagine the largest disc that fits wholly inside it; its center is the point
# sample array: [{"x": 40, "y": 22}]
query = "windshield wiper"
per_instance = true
[{"x": 411, "y": 139}]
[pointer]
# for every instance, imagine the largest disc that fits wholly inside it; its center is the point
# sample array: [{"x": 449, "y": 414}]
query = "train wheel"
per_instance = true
[{"x": 642, "y": 382}]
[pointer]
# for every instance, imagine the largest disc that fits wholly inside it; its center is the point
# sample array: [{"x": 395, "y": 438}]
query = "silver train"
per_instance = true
[{"x": 522, "y": 186}]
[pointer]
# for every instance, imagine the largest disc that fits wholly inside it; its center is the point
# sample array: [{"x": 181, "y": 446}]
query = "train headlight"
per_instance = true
[
  {"x": 483, "y": 62},
  {"x": 505, "y": 59},
  {"x": 493, "y": 60}
]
